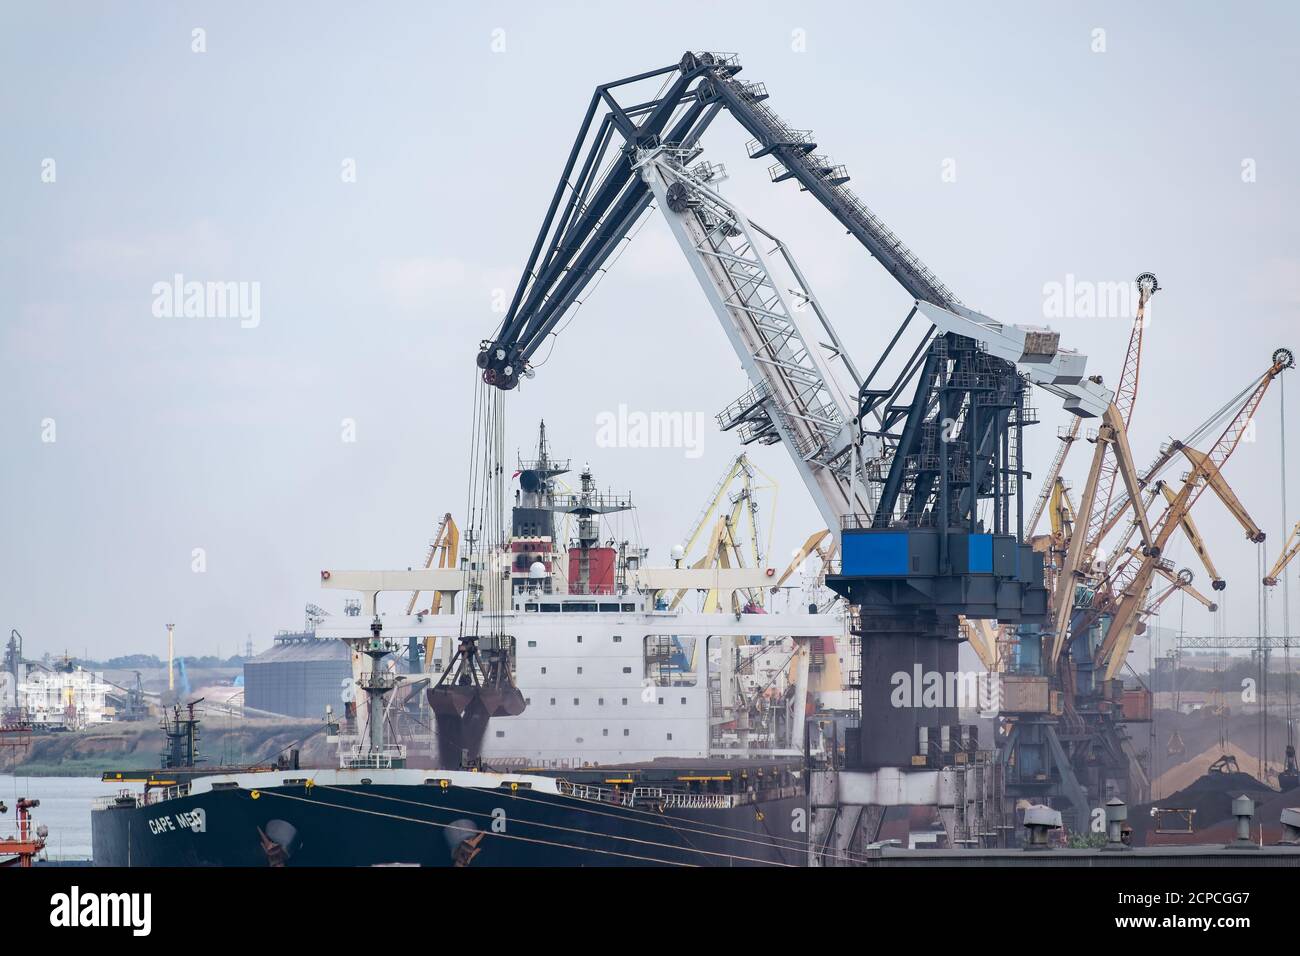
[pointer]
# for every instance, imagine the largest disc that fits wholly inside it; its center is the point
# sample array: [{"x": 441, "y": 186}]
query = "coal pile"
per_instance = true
[{"x": 1210, "y": 796}]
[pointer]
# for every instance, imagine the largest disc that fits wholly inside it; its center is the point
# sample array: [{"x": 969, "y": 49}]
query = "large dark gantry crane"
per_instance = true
[{"x": 926, "y": 496}]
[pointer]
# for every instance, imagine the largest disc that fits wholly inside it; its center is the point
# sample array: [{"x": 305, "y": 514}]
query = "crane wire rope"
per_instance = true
[{"x": 1286, "y": 587}]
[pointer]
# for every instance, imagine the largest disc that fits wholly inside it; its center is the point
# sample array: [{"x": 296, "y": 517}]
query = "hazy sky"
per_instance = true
[{"x": 1175, "y": 149}]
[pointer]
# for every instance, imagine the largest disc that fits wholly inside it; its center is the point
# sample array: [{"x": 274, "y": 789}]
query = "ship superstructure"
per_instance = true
[{"x": 606, "y": 673}]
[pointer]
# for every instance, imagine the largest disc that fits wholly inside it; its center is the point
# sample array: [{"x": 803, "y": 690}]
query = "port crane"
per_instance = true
[
  {"x": 917, "y": 475},
  {"x": 1128, "y": 576},
  {"x": 725, "y": 547},
  {"x": 797, "y": 366},
  {"x": 1125, "y": 400},
  {"x": 1053, "y": 475},
  {"x": 1290, "y": 548},
  {"x": 1126, "y": 587}
]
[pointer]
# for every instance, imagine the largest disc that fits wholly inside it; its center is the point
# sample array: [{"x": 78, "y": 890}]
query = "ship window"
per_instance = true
[
  {"x": 528, "y": 702},
  {"x": 579, "y": 638},
  {"x": 579, "y": 669},
  {"x": 609, "y": 607},
  {"x": 605, "y": 732},
  {"x": 661, "y": 700},
  {"x": 627, "y": 670},
  {"x": 552, "y": 701},
  {"x": 669, "y": 660},
  {"x": 550, "y": 607},
  {"x": 626, "y": 732},
  {"x": 670, "y": 736},
  {"x": 618, "y": 638},
  {"x": 600, "y": 701},
  {"x": 576, "y": 702},
  {"x": 624, "y": 701},
  {"x": 683, "y": 700},
  {"x": 579, "y": 606},
  {"x": 530, "y": 607},
  {"x": 532, "y": 643},
  {"x": 501, "y": 733},
  {"x": 629, "y": 607},
  {"x": 543, "y": 669}
]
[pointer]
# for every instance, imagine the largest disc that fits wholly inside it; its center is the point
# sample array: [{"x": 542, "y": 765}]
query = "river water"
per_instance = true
[{"x": 65, "y": 809}]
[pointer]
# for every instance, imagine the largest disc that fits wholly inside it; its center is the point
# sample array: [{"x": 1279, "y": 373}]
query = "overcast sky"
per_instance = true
[{"x": 1165, "y": 142}]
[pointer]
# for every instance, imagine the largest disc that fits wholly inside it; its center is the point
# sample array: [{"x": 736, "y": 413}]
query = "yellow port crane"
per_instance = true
[
  {"x": 1113, "y": 436},
  {"x": 1111, "y": 456},
  {"x": 725, "y": 548},
  {"x": 1125, "y": 400},
  {"x": 1182, "y": 581},
  {"x": 444, "y": 548},
  {"x": 1290, "y": 548},
  {"x": 1126, "y": 588},
  {"x": 1053, "y": 474}
]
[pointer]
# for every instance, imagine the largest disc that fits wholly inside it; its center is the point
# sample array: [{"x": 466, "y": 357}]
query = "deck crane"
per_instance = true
[{"x": 919, "y": 477}]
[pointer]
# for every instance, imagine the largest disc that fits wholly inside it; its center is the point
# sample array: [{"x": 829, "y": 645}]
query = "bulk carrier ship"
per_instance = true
[{"x": 577, "y": 715}]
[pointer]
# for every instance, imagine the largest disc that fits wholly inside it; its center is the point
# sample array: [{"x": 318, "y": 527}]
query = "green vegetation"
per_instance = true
[
  {"x": 1086, "y": 841},
  {"x": 138, "y": 746},
  {"x": 152, "y": 662}
]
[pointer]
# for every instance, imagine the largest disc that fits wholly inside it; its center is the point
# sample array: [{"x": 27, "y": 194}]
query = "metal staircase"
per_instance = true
[
  {"x": 817, "y": 174},
  {"x": 795, "y": 397}
]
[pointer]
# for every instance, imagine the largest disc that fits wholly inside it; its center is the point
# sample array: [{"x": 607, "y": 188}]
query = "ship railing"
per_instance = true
[
  {"x": 161, "y": 794},
  {"x": 585, "y": 791},
  {"x": 700, "y": 801},
  {"x": 111, "y": 802},
  {"x": 378, "y": 760}
]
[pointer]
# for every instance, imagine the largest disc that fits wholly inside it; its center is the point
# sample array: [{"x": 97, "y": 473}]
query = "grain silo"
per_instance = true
[{"x": 298, "y": 676}]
